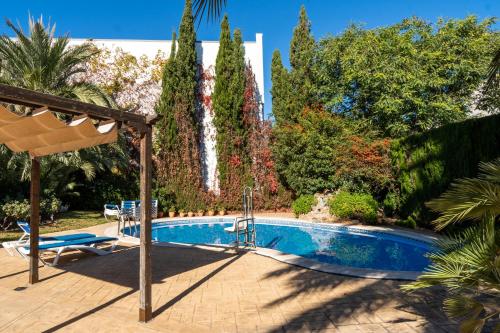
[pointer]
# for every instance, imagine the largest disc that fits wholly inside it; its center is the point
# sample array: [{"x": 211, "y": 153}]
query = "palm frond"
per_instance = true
[
  {"x": 466, "y": 199},
  {"x": 211, "y": 8}
]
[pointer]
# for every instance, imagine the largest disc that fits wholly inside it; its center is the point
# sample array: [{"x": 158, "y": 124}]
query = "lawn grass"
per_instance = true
[{"x": 66, "y": 221}]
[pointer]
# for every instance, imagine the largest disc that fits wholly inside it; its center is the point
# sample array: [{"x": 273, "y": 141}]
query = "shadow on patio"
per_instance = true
[
  {"x": 357, "y": 305},
  {"x": 121, "y": 269}
]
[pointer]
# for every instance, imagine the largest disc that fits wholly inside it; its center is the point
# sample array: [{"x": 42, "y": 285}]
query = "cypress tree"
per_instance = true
[
  {"x": 301, "y": 61},
  {"x": 238, "y": 81},
  {"x": 279, "y": 90},
  {"x": 223, "y": 101},
  {"x": 167, "y": 128},
  {"x": 180, "y": 165},
  {"x": 186, "y": 64}
]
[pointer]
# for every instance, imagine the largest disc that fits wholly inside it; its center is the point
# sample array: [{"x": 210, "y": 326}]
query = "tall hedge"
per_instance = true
[{"x": 428, "y": 162}]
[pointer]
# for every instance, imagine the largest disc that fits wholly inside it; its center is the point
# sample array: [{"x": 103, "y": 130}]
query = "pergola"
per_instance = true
[{"x": 41, "y": 133}]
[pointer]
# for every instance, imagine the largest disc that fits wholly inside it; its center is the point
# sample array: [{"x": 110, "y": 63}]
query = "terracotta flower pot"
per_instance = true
[
  {"x": 211, "y": 212},
  {"x": 171, "y": 214},
  {"x": 190, "y": 214},
  {"x": 200, "y": 213},
  {"x": 222, "y": 212},
  {"x": 182, "y": 214}
]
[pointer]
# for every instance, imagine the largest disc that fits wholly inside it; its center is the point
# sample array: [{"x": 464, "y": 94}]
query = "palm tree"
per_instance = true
[
  {"x": 41, "y": 62},
  {"x": 467, "y": 264}
]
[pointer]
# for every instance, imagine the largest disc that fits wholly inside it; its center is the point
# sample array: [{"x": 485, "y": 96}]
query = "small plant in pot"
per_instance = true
[
  {"x": 171, "y": 212},
  {"x": 182, "y": 213},
  {"x": 211, "y": 211},
  {"x": 200, "y": 211},
  {"x": 222, "y": 210},
  {"x": 190, "y": 212}
]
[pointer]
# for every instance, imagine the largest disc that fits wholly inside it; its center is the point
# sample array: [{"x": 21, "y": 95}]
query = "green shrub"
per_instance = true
[
  {"x": 428, "y": 162},
  {"x": 16, "y": 210},
  {"x": 408, "y": 223},
  {"x": 360, "y": 206},
  {"x": 303, "y": 204},
  {"x": 50, "y": 207},
  {"x": 391, "y": 204}
]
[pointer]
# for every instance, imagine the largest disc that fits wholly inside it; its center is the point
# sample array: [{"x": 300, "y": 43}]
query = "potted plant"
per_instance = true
[
  {"x": 171, "y": 212},
  {"x": 211, "y": 211},
  {"x": 190, "y": 211},
  {"x": 182, "y": 213},
  {"x": 200, "y": 211},
  {"x": 222, "y": 211}
]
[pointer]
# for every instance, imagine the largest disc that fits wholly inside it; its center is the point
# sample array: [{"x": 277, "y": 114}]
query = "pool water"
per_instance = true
[{"x": 334, "y": 245}]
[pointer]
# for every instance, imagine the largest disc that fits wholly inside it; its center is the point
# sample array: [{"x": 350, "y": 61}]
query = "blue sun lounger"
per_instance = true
[
  {"x": 12, "y": 246},
  {"x": 25, "y": 227},
  {"x": 88, "y": 244}
]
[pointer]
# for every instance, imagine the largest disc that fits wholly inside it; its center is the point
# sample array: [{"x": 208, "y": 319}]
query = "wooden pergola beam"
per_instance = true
[{"x": 35, "y": 99}]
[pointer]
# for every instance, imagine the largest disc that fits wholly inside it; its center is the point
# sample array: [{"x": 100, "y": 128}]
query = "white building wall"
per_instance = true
[{"x": 207, "y": 55}]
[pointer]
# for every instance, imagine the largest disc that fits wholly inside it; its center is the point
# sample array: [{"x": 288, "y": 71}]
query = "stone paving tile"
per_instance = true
[{"x": 199, "y": 290}]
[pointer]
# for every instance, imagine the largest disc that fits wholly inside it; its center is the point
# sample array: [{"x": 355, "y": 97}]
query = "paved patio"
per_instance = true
[{"x": 200, "y": 290}]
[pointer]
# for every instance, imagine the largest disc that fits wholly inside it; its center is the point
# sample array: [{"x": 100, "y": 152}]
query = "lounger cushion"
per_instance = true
[
  {"x": 65, "y": 238},
  {"x": 76, "y": 242}
]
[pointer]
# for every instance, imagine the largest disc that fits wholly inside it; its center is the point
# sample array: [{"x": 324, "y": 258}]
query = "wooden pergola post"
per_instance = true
[
  {"x": 145, "y": 278},
  {"x": 143, "y": 124},
  {"x": 34, "y": 219}
]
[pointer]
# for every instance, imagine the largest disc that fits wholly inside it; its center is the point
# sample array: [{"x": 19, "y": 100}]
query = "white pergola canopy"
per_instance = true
[{"x": 42, "y": 133}]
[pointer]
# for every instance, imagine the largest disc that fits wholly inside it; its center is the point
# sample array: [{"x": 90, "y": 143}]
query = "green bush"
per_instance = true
[
  {"x": 391, "y": 204},
  {"x": 428, "y": 162},
  {"x": 408, "y": 223},
  {"x": 50, "y": 207},
  {"x": 303, "y": 204},
  {"x": 360, "y": 206},
  {"x": 14, "y": 210}
]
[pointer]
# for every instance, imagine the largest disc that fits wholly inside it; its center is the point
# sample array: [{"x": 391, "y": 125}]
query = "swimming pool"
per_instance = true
[{"x": 356, "y": 251}]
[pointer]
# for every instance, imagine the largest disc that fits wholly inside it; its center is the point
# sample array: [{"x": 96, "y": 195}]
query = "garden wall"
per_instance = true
[{"x": 427, "y": 163}]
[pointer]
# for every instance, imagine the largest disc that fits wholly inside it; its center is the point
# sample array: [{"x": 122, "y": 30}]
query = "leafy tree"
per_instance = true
[
  {"x": 305, "y": 151},
  {"x": 40, "y": 62},
  {"x": 467, "y": 264},
  {"x": 408, "y": 77}
]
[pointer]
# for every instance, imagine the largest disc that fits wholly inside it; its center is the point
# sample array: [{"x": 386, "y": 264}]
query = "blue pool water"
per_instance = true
[{"x": 334, "y": 245}]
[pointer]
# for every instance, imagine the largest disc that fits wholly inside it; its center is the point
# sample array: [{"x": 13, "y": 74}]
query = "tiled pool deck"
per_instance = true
[{"x": 201, "y": 290}]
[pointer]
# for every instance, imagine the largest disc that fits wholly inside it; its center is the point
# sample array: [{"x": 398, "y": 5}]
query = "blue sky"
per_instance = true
[{"x": 274, "y": 18}]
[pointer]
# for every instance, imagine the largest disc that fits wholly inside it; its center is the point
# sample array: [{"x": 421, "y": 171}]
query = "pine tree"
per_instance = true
[
  {"x": 280, "y": 90},
  {"x": 301, "y": 61}
]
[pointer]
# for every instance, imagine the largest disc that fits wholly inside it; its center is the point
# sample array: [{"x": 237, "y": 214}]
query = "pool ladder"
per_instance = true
[{"x": 244, "y": 226}]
